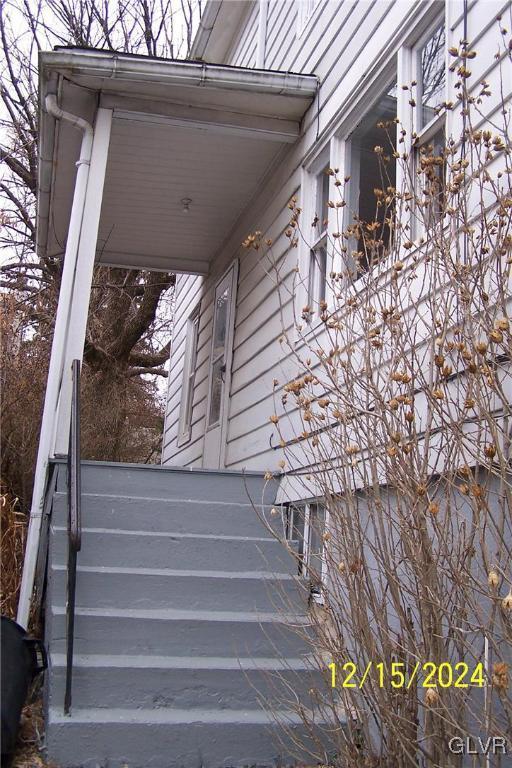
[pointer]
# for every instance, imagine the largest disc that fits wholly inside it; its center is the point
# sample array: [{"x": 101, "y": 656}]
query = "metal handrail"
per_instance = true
[{"x": 74, "y": 526}]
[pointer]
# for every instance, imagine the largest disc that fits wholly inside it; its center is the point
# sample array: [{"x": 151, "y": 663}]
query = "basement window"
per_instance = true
[{"x": 305, "y": 524}]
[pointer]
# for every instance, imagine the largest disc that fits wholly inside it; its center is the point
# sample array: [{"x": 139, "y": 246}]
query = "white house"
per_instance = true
[{"x": 169, "y": 166}]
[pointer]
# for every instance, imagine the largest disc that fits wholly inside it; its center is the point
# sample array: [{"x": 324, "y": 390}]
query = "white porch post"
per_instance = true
[
  {"x": 91, "y": 168},
  {"x": 83, "y": 276}
]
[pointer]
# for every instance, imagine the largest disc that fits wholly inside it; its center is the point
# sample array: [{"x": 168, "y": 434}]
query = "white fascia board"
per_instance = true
[{"x": 219, "y": 24}]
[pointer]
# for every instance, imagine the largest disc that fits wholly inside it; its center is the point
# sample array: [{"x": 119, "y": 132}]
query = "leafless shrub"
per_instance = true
[{"x": 395, "y": 411}]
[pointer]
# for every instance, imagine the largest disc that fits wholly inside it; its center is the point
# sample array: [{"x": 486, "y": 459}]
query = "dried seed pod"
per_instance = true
[
  {"x": 496, "y": 336},
  {"x": 431, "y": 697},
  {"x": 433, "y": 508},
  {"x": 493, "y": 579}
]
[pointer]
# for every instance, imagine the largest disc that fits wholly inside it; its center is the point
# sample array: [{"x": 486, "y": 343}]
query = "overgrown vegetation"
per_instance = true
[
  {"x": 395, "y": 412},
  {"x": 129, "y": 316}
]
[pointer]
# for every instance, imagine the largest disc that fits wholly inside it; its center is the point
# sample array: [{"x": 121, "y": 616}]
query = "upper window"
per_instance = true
[
  {"x": 305, "y": 12},
  {"x": 189, "y": 372},
  {"x": 317, "y": 272},
  {"x": 429, "y": 67},
  {"x": 371, "y": 169},
  {"x": 431, "y": 76}
]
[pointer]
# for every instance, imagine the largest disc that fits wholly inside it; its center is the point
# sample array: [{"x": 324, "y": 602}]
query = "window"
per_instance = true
[
  {"x": 429, "y": 123},
  {"x": 189, "y": 372},
  {"x": 304, "y": 13},
  {"x": 370, "y": 172},
  {"x": 431, "y": 76},
  {"x": 305, "y": 524},
  {"x": 317, "y": 267}
]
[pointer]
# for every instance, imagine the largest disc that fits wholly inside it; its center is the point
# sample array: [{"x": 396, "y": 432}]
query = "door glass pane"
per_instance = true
[
  {"x": 216, "y": 393},
  {"x": 221, "y": 321}
]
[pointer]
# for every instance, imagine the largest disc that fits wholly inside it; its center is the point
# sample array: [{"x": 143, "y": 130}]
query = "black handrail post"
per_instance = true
[{"x": 74, "y": 526}]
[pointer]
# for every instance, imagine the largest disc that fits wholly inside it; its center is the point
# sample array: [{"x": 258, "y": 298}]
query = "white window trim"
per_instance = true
[
  {"x": 306, "y": 10},
  {"x": 327, "y": 156},
  {"x": 306, "y": 506},
  {"x": 409, "y": 70},
  {"x": 189, "y": 372}
]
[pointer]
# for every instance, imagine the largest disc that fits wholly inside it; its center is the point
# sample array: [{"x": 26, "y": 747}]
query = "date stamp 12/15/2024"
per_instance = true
[{"x": 400, "y": 675}]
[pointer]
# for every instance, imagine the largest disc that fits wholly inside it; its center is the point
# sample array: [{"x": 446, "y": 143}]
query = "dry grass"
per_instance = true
[
  {"x": 30, "y": 736},
  {"x": 13, "y": 528}
]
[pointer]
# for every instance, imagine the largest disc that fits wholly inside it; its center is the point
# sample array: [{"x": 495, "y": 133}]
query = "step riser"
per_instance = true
[
  {"x": 135, "y": 514},
  {"x": 179, "y": 637},
  {"x": 184, "y": 688},
  {"x": 208, "y": 554},
  {"x": 194, "y": 745},
  {"x": 158, "y": 483},
  {"x": 128, "y": 590}
]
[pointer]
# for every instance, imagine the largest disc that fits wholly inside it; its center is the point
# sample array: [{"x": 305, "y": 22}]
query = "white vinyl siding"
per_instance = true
[{"x": 353, "y": 48}]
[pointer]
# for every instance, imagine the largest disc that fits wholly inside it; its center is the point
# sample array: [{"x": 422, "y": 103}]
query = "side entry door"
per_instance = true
[{"x": 220, "y": 369}]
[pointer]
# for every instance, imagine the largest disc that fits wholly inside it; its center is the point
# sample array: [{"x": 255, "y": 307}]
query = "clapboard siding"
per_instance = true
[{"x": 347, "y": 44}]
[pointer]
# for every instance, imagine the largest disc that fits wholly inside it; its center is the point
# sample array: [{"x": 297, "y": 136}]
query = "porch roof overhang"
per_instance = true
[{"x": 180, "y": 130}]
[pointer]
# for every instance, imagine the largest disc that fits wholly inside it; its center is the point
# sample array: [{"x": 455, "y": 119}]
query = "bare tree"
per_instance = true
[{"x": 124, "y": 336}]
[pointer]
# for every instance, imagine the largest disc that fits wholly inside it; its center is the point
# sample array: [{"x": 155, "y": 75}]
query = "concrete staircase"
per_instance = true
[{"x": 184, "y": 602}]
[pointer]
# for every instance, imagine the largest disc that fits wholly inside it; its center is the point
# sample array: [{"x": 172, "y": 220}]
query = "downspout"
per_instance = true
[
  {"x": 262, "y": 35},
  {"x": 47, "y": 434}
]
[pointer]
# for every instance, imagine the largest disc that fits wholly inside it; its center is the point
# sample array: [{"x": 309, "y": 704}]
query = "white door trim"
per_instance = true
[{"x": 216, "y": 434}]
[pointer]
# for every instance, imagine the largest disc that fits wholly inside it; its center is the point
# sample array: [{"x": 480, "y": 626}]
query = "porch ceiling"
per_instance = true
[{"x": 180, "y": 130}]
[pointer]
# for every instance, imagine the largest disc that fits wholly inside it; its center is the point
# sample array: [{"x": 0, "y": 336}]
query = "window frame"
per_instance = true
[
  {"x": 305, "y": 544},
  {"x": 305, "y": 12},
  {"x": 397, "y": 63},
  {"x": 312, "y": 277},
  {"x": 351, "y": 168},
  {"x": 420, "y": 135},
  {"x": 188, "y": 376}
]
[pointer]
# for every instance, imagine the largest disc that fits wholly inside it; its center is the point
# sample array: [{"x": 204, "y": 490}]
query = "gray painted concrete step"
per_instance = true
[
  {"x": 139, "y": 549},
  {"x": 179, "y": 516},
  {"x": 179, "y": 633},
  {"x": 184, "y": 682},
  {"x": 146, "y": 481},
  {"x": 186, "y": 608},
  {"x": 172, "y": 738},
  {"x": 110, "y": 587}
]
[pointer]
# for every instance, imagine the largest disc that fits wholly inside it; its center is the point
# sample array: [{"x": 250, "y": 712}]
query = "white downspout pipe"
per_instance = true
[
  {"x": 262, "y": 35},
  {"x": 45, "y": 449}
]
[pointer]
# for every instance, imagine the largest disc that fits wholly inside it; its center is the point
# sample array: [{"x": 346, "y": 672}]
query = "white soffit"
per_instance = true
[{"x": 180, "y": 130}]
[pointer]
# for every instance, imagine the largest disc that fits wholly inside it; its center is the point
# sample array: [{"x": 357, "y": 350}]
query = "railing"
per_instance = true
[{"x": 74, "y": 527}]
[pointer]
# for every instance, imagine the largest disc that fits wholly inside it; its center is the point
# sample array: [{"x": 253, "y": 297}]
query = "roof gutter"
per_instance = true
[{"x": 119, "y": 68}]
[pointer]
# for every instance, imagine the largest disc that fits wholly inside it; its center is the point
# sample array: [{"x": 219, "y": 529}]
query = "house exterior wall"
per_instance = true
[{"x": 354, "y": 49}]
